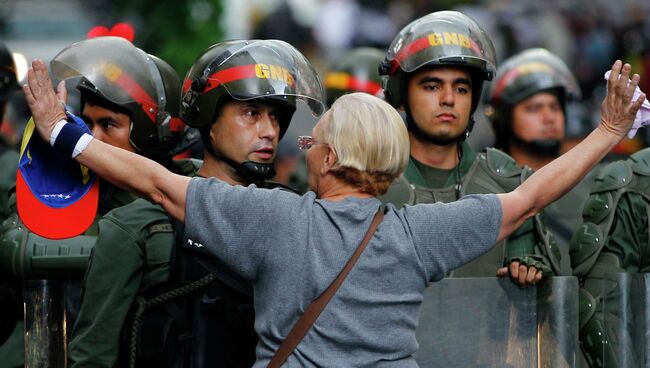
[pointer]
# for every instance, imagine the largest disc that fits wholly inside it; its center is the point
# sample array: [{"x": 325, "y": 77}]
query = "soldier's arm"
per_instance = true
[
  {"x": 120, "y": 167},
  {"x": 553, "y": 180}
]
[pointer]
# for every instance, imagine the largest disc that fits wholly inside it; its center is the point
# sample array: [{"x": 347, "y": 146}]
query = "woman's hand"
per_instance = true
[
  {"x": 46, "y": 106},
  {"x": 618, "y": 111}
]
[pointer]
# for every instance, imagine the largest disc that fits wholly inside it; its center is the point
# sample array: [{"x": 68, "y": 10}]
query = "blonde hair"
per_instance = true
[{"x": 370, "y": 141}]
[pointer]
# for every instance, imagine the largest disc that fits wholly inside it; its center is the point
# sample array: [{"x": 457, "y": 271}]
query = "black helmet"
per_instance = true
[
  {"x": 444, "y": 38},
  {"x": 8, "y": 80},
  {"x": 354, "y": 71},
  {"x": 245, "y": 70},
  {"x": 521, "y": 76},
  {"x": 114, "y": 70}
]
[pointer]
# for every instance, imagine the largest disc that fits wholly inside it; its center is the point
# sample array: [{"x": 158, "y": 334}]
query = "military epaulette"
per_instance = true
[
  {"x": 612, "y": 177},
  {"x": 501, "y": 163},
  {"x": 493, "y": 171},
  {"x": 640, "y": 162}
]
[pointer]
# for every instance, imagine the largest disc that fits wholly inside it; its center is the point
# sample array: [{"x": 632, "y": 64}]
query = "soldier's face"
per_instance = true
[
  {"x": 247, "y": 131},
  {"x": 440, "y": 101},
  {"x": 108, "y": 126},
  {"x": 539, "y": 117}
]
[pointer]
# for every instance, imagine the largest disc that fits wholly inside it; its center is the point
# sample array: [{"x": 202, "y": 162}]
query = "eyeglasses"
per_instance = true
[{"x": 306, "y": 141}]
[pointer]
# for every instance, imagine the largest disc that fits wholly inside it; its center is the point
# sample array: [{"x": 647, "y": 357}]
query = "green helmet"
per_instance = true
[
  {"x": 354, "y": 71},
  {"x": 444, "y": 38},
  {"x": 521, "y": 76},
  {"x": 245, "y": 70},
  {"x": 8, "y": 80},
  {"x": 114, "y": 70}
]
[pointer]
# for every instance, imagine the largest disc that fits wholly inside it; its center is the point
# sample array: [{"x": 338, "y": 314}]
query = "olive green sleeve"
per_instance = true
[{"x": 628, "y": 237}]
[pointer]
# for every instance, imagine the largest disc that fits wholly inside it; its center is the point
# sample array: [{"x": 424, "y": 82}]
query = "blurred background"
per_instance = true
[{"x": 587, "y": 35}]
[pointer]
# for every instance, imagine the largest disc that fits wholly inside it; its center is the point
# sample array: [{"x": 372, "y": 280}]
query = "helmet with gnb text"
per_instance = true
[
  {"x": 444, "y": 38},
  {"x": 244, "y": 70}
]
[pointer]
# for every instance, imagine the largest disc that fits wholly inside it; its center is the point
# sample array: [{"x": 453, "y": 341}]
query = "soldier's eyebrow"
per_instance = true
[{"x": 456, "y": 81}]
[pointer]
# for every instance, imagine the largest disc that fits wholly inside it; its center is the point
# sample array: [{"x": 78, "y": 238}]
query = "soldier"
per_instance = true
[
  {"x": 434, "y": 72},
  {"x": 354, "y": 71},
  {"x": 114, "y": 114},
  {"x": 612, "y": 239},
  {"x": 241, "y": 96},
  {"x": 8, "y": 156},
  {"x": 527, "y": 105},
  {"x": 9, "y": 308}
]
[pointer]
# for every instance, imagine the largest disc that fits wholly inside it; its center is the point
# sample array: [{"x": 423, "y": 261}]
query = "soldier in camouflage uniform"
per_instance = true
[
  {"x": 434, "y": 72},
  {"x": 527, "y": 105},
  {"x": 115, "y": 116},
  {"x": 612, "y": 239},
  {"x": 241, "y": 96}
]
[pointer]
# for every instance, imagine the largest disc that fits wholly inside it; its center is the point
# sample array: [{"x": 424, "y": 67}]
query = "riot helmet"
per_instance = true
[
  {"x": 354, "y": 71},
  {"x": 520, "y": 77},
  {"x": 112, "y": 69},
  {"x": 444, "y": 38},
  {"x": 243, "y": 70},
  {"x": 8, "y": 80}
]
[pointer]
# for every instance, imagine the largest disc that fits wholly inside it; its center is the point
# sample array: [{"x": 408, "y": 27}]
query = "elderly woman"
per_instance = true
[{"x": 290, "y": 248}]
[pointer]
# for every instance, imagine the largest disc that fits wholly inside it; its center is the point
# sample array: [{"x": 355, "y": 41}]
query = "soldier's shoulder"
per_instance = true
[
  {"x": 494, "y": 171},
  {"x": 501, "y": 164},
  {"x": 270, "y": 184},
  {"x": 612, "y": 176},
  {"x": 640, "y": 162},
  {"x": 137, "y": 215},
  {"x": 399, "y": 193},
  {"x": 186, "y": 166}
]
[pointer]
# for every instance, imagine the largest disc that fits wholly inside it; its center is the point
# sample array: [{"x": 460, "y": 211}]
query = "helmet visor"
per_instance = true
[
  {"x": 442, "y": 38},
  {"x": 268, "y": 69},
  {"x": 117, "y": 69}
]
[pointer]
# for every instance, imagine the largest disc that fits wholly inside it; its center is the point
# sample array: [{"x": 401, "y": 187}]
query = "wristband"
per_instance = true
[
  {"x": 67, "y": 139},
  {"x": 55, "y": 132}
]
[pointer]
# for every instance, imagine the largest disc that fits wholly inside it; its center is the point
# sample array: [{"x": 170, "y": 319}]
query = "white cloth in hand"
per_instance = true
[{"x": 642, "y": 116}]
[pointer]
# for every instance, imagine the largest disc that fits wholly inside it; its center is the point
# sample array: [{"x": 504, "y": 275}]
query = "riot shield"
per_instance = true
[
  {"x": 490, "y": 322},
  {"x": 626, "y": 316}
]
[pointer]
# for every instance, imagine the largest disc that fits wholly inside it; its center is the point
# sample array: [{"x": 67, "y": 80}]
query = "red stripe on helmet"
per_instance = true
[
  {"x": 147, "y": 104},
  {"x": 230, "y": 75},
  {"x": 224, "y": 76},
  {"x": 503, "y": 82},
  {"x": 408, "y": 50},
  {"x": 370, "y": 87}
]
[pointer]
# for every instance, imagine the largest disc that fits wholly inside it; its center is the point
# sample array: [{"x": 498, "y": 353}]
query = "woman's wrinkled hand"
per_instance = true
[
  {"x": 46, "y": 106},
  {"x": 618, "y": 111}
]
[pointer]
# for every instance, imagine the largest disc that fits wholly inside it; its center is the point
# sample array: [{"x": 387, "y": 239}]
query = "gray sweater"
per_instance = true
[{"x": 290, "y": 248}]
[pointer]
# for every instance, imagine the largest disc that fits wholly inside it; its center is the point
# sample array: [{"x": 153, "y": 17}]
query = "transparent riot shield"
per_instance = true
[
  {"x": 625, "y": 317},
  {"x": 489, "y": 322}
]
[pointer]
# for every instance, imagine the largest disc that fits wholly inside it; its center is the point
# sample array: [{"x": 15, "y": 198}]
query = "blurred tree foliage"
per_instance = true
[{"x": 176, "y": 31}]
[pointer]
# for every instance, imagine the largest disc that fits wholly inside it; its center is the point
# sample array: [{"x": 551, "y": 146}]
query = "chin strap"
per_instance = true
[
  {"x": 248, "y": 170},
  {"x": 549, "y": 148},
  {"x": 255, "y": 171}
]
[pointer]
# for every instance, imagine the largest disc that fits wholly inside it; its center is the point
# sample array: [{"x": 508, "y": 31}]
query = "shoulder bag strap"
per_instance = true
[{"x": 305, "y": 322}]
